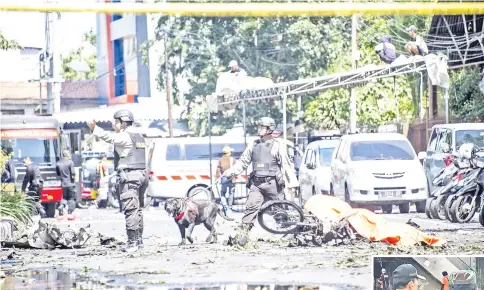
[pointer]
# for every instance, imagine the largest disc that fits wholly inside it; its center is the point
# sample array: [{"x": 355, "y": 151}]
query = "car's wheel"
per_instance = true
[
  {"x": 49, "y": 209},
  {"x": 404, "y": 207},
  {"x": 331, "y": 190},
  {"x": 387, "y": 208},
  {"x": 348, "y": 199},
  {"x": 420, "y": 205}
]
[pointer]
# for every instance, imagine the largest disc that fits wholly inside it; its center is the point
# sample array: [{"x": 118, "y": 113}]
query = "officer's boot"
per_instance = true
[
  {"x": 132, "y": 244},
  {"x": 244, "y": 234},
  {"x": 140, "y": 239}
]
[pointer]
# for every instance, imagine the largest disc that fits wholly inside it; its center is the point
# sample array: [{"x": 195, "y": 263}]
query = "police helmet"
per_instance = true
[
  {"x": 124, "y": 115},
  {"x": 267, "y": 122}
]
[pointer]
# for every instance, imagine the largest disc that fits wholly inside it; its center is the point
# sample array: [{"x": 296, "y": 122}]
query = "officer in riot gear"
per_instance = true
[
  {"x": 272, "y": 171},
  {"x": 33, "y": 179},
  {"x": 130, "y": 164}
]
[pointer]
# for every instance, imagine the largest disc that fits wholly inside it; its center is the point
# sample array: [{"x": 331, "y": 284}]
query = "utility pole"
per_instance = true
[
  {"x": 53, "y": 76},
  {"x": 354, "y": 58},
  {"x": 48, "y": 54},
  {"x": 168, "y": 88}
]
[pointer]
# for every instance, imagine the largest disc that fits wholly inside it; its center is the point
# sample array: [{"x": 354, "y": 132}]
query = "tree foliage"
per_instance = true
[
  {"x": 85, "y": 53},
  {"x": 6, "y": 44},
  {"x": 466, "y": 101},
  {"x": 283, "y": 49}
]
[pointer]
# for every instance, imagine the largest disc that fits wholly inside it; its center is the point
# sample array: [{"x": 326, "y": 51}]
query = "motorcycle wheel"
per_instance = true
[
  {"x": 437, "y": 209},
  {"x": 280, "y": 209},
  {"x": 448, "y": 204},
  {"x": 456, "y": 209},
  {"x": 428, "y": 203}
]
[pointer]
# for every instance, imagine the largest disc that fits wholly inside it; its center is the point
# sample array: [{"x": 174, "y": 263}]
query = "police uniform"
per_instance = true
[
  {"x": 271, "y": 172},
  {"x": 129, "y": 161},
  {"x": 33, "y": 179},
  {"x": 65, "y": 169}
]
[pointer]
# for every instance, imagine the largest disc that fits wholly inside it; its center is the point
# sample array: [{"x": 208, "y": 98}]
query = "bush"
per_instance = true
[{"x": 14, "y": 203}]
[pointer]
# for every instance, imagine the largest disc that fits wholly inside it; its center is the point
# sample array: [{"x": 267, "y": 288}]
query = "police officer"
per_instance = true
[
  {"x": 34, "y": 180},
  {"x": 129, "y": 162},
  {"x": 65, "y": 170},
  {"x": 272, "y": 171}
]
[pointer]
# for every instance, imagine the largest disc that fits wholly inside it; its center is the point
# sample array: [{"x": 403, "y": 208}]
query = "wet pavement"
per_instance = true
[{"x": 163, "y": 262}]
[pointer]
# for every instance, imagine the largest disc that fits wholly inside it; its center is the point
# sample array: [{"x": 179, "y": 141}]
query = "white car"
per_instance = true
[
  {"x": 379, "y": 169},
  {"x": 315, "y": 168}
]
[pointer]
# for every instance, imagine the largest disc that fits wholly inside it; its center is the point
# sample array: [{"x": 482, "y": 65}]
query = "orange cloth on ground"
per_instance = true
[{"x": 368, "y": 224}]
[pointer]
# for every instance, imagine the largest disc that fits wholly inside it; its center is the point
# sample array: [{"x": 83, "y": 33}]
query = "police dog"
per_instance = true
[{"x": 188, "y": 213}]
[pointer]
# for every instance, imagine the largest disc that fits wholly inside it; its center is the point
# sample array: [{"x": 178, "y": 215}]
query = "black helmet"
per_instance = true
[
  {"x": 124, "y": 115},
  {"x": 268, "y": 122}
]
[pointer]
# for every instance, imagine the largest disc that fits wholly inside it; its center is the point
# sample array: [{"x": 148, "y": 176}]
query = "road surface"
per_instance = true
[{"x": 271, "y": 260}]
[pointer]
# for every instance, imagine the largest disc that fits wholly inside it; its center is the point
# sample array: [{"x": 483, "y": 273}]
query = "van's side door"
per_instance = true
[
  {"x": 303, "y": 172},
  {"x": 336, "y": 165}
]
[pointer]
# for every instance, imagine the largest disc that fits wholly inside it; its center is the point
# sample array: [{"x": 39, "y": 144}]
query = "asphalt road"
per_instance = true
[{"x": 268, "y": 261}]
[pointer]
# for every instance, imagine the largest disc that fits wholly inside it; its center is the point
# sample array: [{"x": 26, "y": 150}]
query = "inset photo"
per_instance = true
[{"x": 428, "y": 273}]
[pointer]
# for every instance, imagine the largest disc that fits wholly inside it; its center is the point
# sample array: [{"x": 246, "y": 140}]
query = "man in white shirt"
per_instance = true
[
  {"x": 417, "y": 45},
  {"x": 235, "y": 68}
]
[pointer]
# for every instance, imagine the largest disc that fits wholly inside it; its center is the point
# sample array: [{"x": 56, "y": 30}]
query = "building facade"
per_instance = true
[{"x": 122, "y": 75}]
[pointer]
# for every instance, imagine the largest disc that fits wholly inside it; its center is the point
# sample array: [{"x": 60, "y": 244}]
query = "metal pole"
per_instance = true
[
  {"x": 40, "y": 85},
  {"x": 243, "y": 121},
  {"x": 446, "y": 96},
  {"x": 168, "y": 89},
  {"x": 49, "y": 55},
  {"x": 421, "y": 113},
  {"x": 210, "y": 142},
  {"x": 396, "y": 99},
  {"x": 354, "y": 52},
  {"x": 299, "y": 116},
  {"x": 284, "y": 115}
]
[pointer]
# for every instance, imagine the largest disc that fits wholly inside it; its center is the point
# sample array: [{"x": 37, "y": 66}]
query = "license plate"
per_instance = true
[{"x": 390, "y": 193}]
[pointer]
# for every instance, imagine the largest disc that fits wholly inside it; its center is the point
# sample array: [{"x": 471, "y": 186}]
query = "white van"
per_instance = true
[
  {"x": 179, "y": 167},
  {"x": 379, "y": 169}
]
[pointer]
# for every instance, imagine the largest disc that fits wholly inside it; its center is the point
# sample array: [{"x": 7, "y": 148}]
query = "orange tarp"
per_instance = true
[{"x": 368, "y": 224}]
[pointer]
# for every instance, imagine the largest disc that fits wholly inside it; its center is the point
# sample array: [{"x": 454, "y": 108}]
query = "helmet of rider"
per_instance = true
[
  {"x": 467, "y": 150},
  {"x": 124, "y": 115},
  {"x": 266, "y": 126}
]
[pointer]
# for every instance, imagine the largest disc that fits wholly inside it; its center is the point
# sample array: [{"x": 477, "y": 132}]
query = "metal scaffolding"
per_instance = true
[{"x": 334, "y": 81}]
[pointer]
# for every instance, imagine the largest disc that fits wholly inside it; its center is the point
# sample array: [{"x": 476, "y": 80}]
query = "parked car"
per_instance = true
[
  {"x": 315, "y": 168},
  {"x": 446, "y": 139},
  {"x": 378, "y": 169}
]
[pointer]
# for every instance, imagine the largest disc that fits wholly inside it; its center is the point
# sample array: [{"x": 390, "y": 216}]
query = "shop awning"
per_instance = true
[{"x": 141, "y": 112}]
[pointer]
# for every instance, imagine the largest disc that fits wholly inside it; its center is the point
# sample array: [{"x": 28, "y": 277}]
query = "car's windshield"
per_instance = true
[
  {"x": 382, "y": 150},
  {"x": 325, "y": 155},
  {"x": 469, "y": 136},
  {"x": 42, "y": 150},
  {"x": 201, "y": 151}
]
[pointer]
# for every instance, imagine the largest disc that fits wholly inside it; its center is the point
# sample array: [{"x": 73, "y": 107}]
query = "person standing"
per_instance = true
[
  {"x": 130, "y": 164},
  {"x": 270, "y": 169},
  {"x": 33, "y": 179},
  {"x": 445, "y": 281},
  {"x": 228, "y": 186},
  {"x": 65, "y": 170}
]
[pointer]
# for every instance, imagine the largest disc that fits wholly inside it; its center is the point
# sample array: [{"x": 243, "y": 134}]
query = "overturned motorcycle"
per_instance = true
[{"x": 329, "y": 220}]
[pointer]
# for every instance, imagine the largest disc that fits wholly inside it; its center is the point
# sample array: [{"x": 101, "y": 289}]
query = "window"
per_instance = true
[
  {"x": 381, "y": 150},
  {"x": 340, "y": 148},
  {"x": 202, "y": 151},
  {"x": 173, "y": 152},
  {"x": 310, "y": 157},
  {"x": 469, "y": 136},
  {"x": 433, "y": 140},
  {"x": 42, "y": 151},
  {"x": 325, "y": 156},
  {"x": 445, "y": 140}
]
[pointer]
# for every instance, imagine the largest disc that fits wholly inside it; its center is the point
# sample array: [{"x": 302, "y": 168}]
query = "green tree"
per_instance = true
[
  {"x": 466, "y": 101},
  {"x": 6, "y": 44},
  {"x": 85, "y": 53}
]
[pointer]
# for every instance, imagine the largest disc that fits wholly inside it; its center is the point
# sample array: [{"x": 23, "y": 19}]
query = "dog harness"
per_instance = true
[{"x": 191, "y": 207}]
